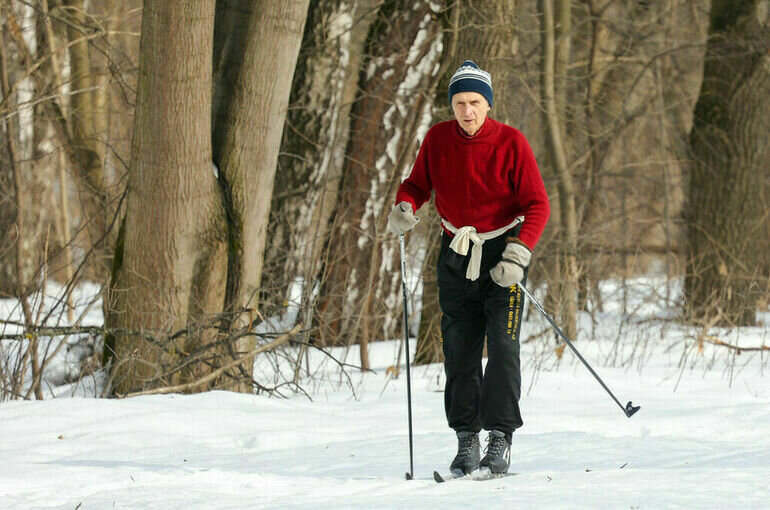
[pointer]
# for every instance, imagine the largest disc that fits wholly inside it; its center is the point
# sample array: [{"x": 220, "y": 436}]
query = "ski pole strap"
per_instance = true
[{"x": 464, "y": 236}]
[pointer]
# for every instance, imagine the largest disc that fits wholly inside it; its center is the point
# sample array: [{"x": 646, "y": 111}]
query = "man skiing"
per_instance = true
[{"x": 493, "y": 207}]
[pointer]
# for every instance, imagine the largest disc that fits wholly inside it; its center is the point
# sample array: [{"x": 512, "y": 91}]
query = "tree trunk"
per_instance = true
[
  {"x": 313, "y": 152},
  {"x": 487, "y": 29},
  {"x": 558, "y": 156},
  {"x": 255, "y": 48},
  {"x": 199, "y": 250},
  {"x": 595, "y": 129},
  {"x": 429, "y": 347},
  {"x": 360, "y": 294},
  {"x": 83, "y": 117},
  {"x": 174, "y": 210},
  {"x": 729, "y": 168},
  {"x": 20, "y": 242}
]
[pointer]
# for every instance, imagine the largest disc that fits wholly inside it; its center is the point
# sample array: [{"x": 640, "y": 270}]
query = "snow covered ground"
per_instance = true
[{"x": 701, "y": 439}]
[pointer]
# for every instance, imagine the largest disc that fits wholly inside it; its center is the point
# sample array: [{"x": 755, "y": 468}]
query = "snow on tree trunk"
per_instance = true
[
  {"x": 313, "y": 147},
  {"x": 361, "y": 289}
]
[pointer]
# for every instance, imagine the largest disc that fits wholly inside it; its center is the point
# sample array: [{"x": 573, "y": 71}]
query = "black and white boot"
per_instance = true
[
  {"x": 468, "y": 453},
  {"x": 498, "y": 453}
]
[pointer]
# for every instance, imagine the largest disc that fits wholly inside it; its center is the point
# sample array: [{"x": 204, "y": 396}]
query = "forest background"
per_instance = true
[{"x": 208, "y": 163}]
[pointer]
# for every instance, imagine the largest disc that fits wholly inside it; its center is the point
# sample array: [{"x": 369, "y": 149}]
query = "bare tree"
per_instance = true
[
  {"x": 640, "y": 83},
  {"x": 360, "y": 289},
  {"x": 47, "y": 68},
  {"x": 204, "y": 166},
  {"x": 556, "y": 47},
  {"x": 174, "y": 219},
  {"x": 255, "y": 48},
  {"x": 83, "y": 119},
  {"x": 312, "y": 155},
  {"x": 604, "y": 91},
  {"x": 730, "y": 150}
]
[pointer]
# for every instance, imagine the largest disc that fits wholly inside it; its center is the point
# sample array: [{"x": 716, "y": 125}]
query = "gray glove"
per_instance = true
[
  {"x": 401, "y": 218},
  {"x": 510, "y": 270}
]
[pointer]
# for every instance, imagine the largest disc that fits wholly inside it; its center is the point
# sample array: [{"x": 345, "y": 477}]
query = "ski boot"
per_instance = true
[
  {"x": 498, "y": 453},
  {"x": 467, "y": 458}
]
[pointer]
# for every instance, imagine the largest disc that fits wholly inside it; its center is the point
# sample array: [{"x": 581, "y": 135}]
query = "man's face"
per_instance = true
[{"x": 470, "y": 110}]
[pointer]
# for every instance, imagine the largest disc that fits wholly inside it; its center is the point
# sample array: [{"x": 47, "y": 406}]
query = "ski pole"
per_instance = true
[
  {"x": 630, "y": 409},
  {"x": 410, "y": 474}
]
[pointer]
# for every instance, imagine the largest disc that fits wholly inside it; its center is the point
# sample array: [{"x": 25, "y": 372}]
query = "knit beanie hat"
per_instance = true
[{"x": 469, "y": 78}]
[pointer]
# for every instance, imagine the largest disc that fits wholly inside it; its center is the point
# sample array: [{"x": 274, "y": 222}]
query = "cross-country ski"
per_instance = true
[{"x": 480, "y": 475}]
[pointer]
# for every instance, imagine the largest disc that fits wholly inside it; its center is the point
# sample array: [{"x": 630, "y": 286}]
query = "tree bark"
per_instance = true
[
  {"x": 255, "y": 50},
  {"x": 173, "y": 211},
  {"x": 729, "y": 166},
  {"x": 558, "y": 156},
  {"x": 82, "y": 122},
  {"x": 313, "y": 152},
  {"x": 256, "y": 47},
  {"x": 360, "y": 293}
]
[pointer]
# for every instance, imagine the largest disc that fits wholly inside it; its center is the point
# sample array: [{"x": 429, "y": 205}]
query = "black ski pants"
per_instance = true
[{"x": 472, "y": 310}]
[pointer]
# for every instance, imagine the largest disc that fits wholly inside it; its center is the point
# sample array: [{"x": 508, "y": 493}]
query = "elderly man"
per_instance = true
[{"x": 493, "y": 207}]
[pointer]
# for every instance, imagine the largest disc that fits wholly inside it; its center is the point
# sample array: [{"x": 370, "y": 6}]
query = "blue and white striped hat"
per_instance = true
[{"x": 470, "y": 78}]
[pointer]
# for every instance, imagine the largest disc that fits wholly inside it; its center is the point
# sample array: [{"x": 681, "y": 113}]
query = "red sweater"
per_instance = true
[{"x": 483, "y": 181}]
